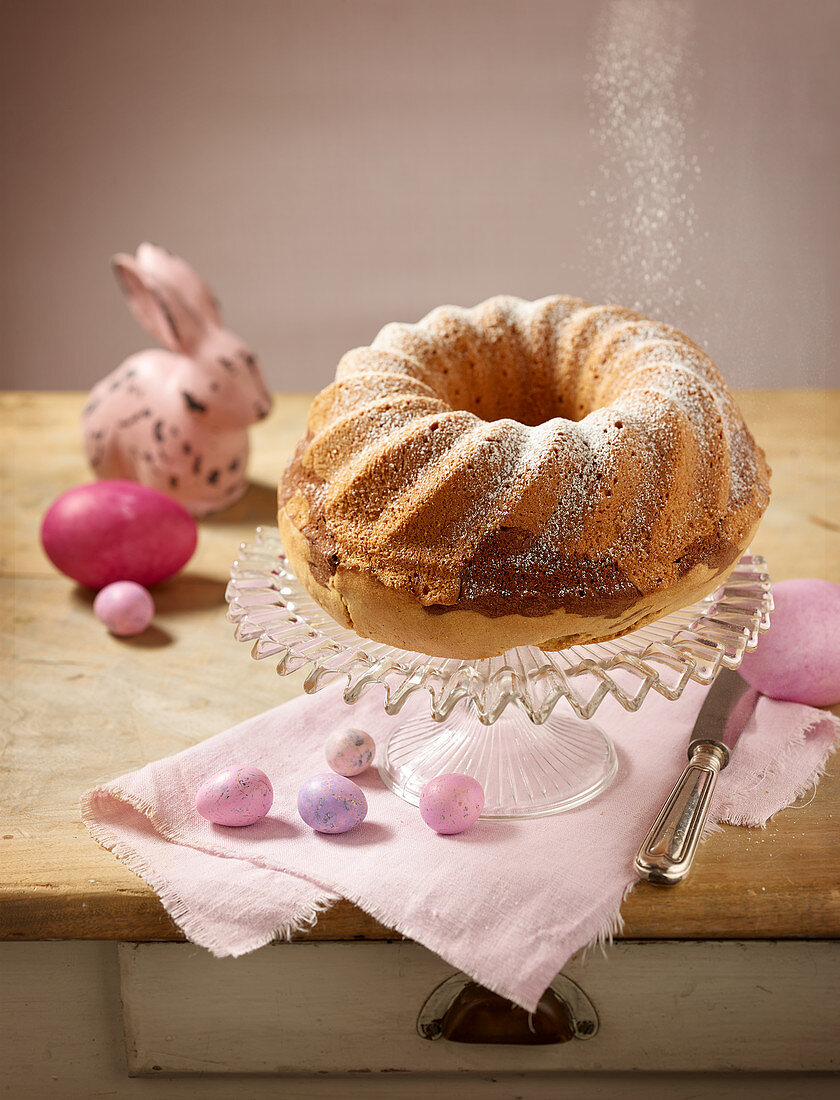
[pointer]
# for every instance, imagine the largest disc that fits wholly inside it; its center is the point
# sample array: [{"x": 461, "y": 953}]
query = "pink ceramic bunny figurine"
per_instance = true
[{"x": 177, "y": 419}]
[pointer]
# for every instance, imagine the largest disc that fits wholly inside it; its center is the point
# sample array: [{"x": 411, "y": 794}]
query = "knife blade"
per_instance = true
[{"x": 669, "y": 848}]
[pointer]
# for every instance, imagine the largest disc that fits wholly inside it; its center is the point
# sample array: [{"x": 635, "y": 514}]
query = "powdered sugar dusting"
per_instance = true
[
  {"x": 643, "y": 210},
  {"x": 657, "y": 466}
]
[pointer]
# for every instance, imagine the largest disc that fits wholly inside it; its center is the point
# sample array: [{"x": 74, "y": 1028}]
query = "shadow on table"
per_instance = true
[
  {"x": 153, "y": 637},
  {"x": 188, "y": 592},
  {"x": 184, "y": 592},
  {"x": 258, "y": 507}
]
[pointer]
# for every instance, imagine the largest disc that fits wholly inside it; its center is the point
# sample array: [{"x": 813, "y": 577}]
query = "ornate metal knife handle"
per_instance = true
[{"x": 668, "y": 851}]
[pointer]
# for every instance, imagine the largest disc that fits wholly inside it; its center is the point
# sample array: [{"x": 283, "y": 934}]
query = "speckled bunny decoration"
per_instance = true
[{"x": 177, "y": 419}]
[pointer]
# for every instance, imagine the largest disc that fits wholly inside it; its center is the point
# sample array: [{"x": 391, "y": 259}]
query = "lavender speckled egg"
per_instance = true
[
  {"x": 450, "y": 803},
  {"x": 331, "y": 803},
  {"x": 125, "y": 607},
  {"x": 238, "y": 795},
  {"x": 798, "y": 659},
  {"x": 349, "y": 752}
]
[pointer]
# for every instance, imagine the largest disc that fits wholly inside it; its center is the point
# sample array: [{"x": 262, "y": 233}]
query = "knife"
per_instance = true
[{"x": 668, "y": 851}]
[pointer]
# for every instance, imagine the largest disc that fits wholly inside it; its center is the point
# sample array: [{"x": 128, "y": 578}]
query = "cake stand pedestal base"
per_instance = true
[{"x": 526, "y": 770}]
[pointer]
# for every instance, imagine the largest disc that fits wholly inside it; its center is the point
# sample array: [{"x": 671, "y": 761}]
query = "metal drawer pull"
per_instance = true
[{"x": 462, "y": 1011}]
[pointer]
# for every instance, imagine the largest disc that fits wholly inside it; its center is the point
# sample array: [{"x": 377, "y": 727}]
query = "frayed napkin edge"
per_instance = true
[
  {"x": 774, "y": 771},
  {"x": 188, "y": 921},
  {"x": 613, "y": 923},
  {"x": 195, "y": 929}
]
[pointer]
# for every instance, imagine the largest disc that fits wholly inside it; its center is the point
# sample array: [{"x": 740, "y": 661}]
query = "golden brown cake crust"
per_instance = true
[{"x": 520, "y": 473}]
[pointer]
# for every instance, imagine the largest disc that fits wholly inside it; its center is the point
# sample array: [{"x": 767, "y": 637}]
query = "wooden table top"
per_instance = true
[{"x": 81, "y": 707}]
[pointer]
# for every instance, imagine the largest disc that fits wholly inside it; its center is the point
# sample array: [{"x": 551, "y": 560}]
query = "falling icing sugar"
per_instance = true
[{"x": 644, "y": 223}]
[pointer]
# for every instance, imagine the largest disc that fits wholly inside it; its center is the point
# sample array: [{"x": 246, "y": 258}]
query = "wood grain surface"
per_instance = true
[{"x": 79, "y": 706}]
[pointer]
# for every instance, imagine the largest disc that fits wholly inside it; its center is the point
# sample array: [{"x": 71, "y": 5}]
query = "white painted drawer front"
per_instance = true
[{"x": 339, "y": 1007}]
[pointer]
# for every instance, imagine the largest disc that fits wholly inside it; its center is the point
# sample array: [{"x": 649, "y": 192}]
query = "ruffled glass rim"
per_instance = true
[{"x": 272, "y": 611}]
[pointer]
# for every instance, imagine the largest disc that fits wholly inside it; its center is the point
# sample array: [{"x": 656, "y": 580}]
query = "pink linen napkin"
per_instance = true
[{"x": 506, "y": 902}]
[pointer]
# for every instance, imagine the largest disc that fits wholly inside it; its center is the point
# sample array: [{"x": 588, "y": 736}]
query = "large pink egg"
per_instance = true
[
  {"x": 452, "y": 802},
  {"x": 239, "y": 795},
  {"x": 117, "y": 531},
  {"x": 798, "y": 659}
]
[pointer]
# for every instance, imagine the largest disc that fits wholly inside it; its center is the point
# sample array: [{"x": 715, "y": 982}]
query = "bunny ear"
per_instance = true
[
  {"x": 157, "y": 306},
  {"x": 166, "y": 267}
]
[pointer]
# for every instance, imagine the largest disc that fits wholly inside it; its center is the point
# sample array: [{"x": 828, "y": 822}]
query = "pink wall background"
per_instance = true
[{"x": 330, "y": 166}]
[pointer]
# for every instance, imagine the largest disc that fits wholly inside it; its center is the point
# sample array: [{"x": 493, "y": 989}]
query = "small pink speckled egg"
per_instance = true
[
  {"x": 239, "y": 795},
  {"x": 331, "y": 803},
  {"x": 798, "y": 659},
  {"x": 451, "y": 803},
  {"x": 125, "y": 607},
  {"x": 349, "y": 752}
]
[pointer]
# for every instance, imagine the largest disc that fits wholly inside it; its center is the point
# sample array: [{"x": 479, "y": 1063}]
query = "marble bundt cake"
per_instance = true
[{"x": 544, "y": 473}]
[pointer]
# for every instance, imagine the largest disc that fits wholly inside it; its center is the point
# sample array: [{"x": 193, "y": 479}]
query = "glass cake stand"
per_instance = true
[{"x": 497, "y": 719}]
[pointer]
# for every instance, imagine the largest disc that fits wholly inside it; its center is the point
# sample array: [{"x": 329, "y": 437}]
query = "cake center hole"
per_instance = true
[{"x": 496, "y": 391}]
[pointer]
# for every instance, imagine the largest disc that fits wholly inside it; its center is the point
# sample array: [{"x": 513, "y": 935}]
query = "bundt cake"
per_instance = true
[{"x": 545, "y": 473}]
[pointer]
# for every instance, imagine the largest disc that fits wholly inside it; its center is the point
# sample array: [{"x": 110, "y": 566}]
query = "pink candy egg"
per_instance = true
[
  {"x": 239, "y": 795},
  {"x": 331, "y": 803},
  {"x": 125, "y": 607},
  {"x": 450, "y": 803},
  {"x": 349, "y": 752},
  {"x": 117, "y": 531},
  {"x": 798, "y": 659}
]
